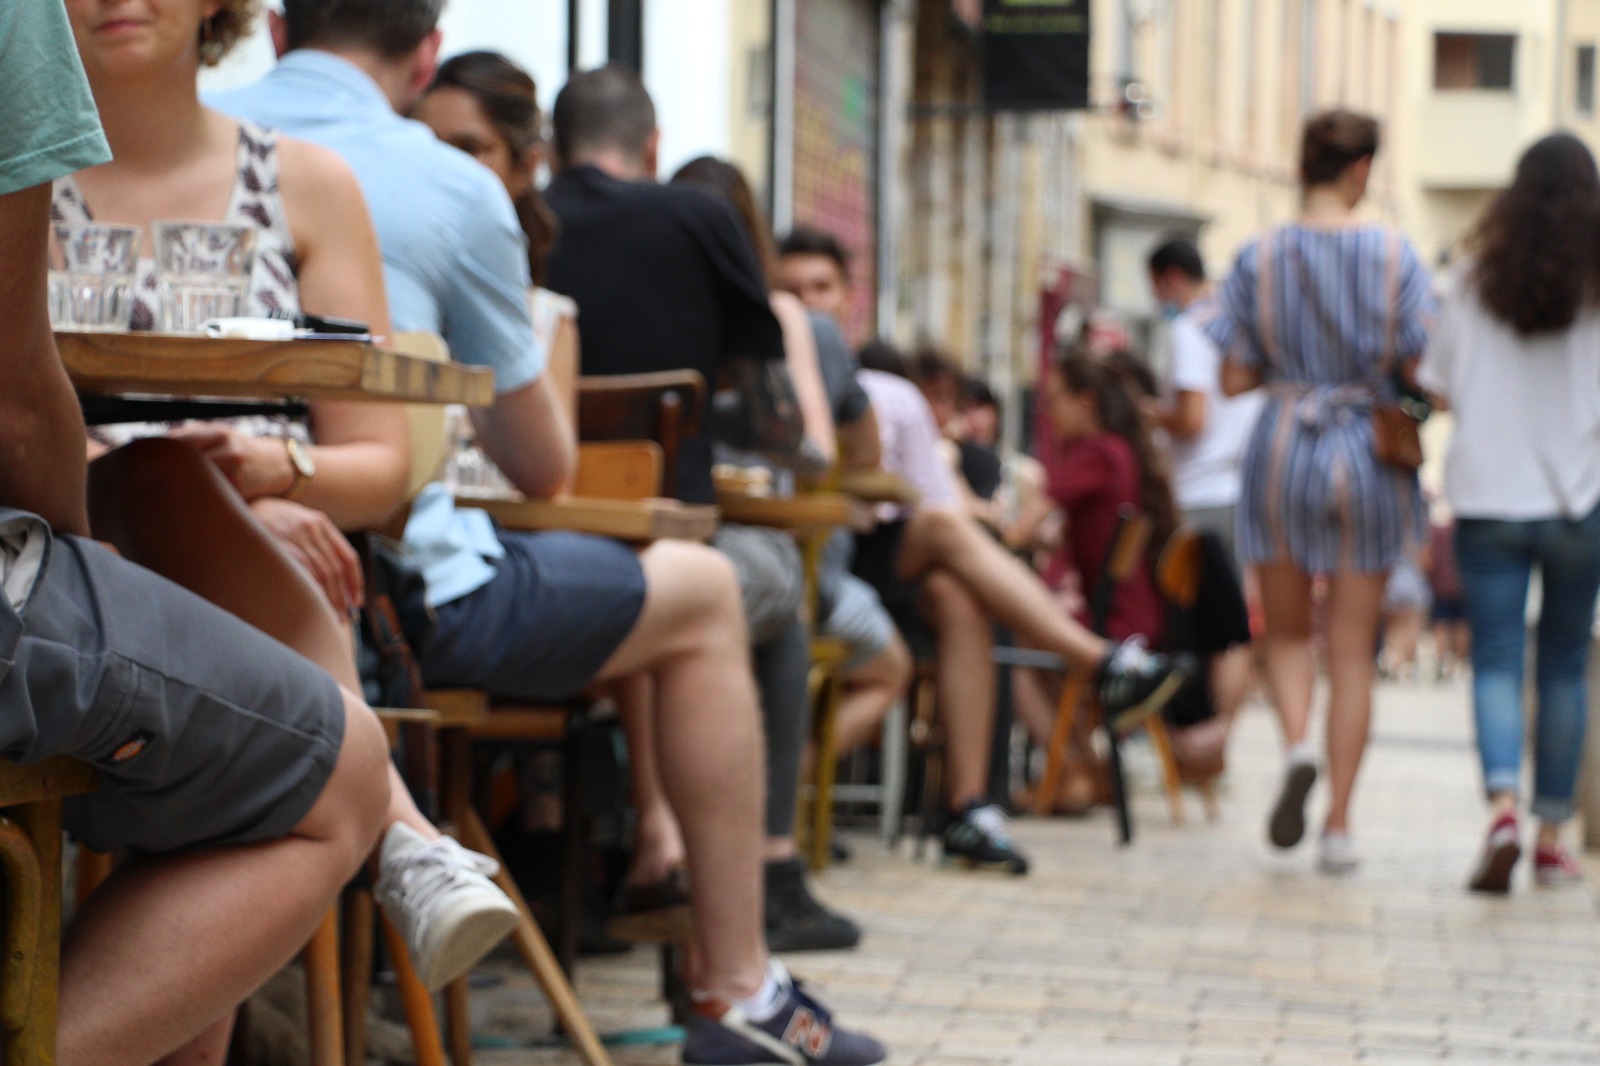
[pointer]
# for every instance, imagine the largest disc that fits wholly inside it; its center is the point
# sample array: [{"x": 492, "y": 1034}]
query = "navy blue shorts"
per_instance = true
[{"x": 556, "y": 610}]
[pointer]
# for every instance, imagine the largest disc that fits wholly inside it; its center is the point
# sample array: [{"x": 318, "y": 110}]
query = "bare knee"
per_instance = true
[
  {"x": 947, "y": 602},
  {"x": 354, "y": 804},
  {"x": 935, "y": 534},
  {"x": 704, "y": 583}
]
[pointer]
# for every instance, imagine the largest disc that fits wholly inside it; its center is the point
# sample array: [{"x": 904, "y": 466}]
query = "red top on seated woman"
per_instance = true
[{"x": 1092, "y": 479}]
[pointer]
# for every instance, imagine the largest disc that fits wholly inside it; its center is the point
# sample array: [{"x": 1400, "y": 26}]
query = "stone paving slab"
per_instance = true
[{"x": 1196, "y": 946}]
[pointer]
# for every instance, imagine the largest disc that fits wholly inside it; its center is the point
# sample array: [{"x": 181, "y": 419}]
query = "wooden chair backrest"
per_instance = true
[
  {"x": 619, "y": 470},
  {"x": 664, "y": 407},
  {"x": 1178, "y": 569},
  {"x": 1127, "y": 551}
]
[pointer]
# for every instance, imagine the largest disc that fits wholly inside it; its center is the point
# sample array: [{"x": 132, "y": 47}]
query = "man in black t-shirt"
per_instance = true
[{"x": 665, "y": 278}]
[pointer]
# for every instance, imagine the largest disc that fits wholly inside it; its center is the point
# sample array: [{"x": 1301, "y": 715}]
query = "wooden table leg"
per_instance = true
[{"x": 455, "y": 801}]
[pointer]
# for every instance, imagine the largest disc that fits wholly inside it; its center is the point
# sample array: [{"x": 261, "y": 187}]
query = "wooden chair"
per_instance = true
[
  {"x": 31, "y": 798},
  {"x": 1178, "y": 571},
  {"x": 664, "y": 407},
  {"x": 1128, "y": 548}
]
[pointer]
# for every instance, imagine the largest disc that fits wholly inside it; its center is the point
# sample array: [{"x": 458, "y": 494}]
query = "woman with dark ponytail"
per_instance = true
[
  {"x": 487, "y": 106},
  {"x": 1109, "y": 463}
]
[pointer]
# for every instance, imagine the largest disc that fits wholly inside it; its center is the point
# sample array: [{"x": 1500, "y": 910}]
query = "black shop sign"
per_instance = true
[{"x": 1035, "y": 55}]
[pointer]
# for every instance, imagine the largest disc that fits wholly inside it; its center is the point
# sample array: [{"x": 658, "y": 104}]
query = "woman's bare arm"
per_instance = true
[
  {"x": 362, "y": 450},
  {"x": 800, "y": 353},
  {"x": 1238, "y": 379}
]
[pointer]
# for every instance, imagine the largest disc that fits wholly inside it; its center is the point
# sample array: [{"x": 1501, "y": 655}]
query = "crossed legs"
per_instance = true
[{"x": 158, "y": 958}]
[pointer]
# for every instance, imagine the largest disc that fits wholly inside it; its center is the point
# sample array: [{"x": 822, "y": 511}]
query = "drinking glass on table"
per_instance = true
[
  {"x": 202, "y": 272},
  {"x": 93, "y": 271}
]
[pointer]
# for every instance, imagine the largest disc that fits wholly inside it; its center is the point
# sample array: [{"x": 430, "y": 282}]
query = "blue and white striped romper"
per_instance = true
[{"x": 1324, "y": 315}]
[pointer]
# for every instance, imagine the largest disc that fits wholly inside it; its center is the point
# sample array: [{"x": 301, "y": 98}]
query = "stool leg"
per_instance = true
[
  {"x": 356, "y": 972},
  {"x": 29, "y": 1019},
  {"x": 574, "y": 840},
  {"x": 1056, "y": 759},
  {"x": 414, "y": 1000},
  {"x": 35, "y": 1044},
  {"x": 458, "y": 1020},
  {"x": 537, "y": 954},
  {"x": 323, "y": 1011},
  {"x": 1161, "y": 740}
]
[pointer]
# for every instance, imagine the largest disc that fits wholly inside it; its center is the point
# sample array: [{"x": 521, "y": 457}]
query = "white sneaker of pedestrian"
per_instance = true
[
  {"x": 1338, "y": 853},
  {"x": 441, "y": 901}
]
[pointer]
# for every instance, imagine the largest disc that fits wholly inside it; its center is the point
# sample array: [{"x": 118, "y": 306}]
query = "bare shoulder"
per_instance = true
[{"x": 309, "y": 171}]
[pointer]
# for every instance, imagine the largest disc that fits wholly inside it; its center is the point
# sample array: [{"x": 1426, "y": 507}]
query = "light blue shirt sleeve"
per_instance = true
[
  {"x": 48, "y": 123},
  {"x": 486, "y": 318}
]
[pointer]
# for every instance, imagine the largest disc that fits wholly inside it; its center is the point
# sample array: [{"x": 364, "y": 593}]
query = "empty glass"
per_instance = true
[
  {"x": 468, "y": 471},
  {"x": 202, "y": 272},
  {"x": 92, "y": 276}
]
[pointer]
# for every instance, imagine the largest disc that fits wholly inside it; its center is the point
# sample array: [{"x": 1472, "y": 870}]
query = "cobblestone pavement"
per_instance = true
[{"x": 1198, "y": 945}]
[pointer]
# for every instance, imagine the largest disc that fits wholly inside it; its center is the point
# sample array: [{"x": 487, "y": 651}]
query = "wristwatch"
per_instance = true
[{"x": 300, "y": 461}]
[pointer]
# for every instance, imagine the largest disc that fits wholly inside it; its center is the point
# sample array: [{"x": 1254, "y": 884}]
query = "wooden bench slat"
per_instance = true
[{"x": 50, "y": 779}]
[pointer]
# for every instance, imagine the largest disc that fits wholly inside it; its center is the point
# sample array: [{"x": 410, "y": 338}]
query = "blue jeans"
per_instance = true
[{"x": 1496, "y": 559}]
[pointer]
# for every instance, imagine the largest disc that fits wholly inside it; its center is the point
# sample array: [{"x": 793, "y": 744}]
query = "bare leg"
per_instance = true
[
  {"x": 1010, "y": 593},
  {"x": 169, "y": 946},
  {"x": 1286, "y": 646},
  {"x": 1035, "y": 705},
  {"x": 691, "y": 638},
  {"x": 1230, "y": 680},
  {"x": 658, "y": 840},
  {"x": 1354, "y": 604},
  {"x": 210, "y": 1048},
  {"x": 966, "y": 685},
  {"x": 869, "y": 691},
  {"x": 222, "y": 554}
]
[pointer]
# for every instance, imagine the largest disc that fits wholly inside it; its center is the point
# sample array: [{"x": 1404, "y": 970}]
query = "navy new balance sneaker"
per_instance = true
[{"x": 800, "y": 1033}]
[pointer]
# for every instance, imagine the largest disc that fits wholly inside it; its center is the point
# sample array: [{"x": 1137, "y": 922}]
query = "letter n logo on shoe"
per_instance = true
[{"x": 808, "y": 1033}]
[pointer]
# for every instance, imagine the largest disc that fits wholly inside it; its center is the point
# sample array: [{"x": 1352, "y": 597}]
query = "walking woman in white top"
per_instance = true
[{"x": 1517, "y": 356}]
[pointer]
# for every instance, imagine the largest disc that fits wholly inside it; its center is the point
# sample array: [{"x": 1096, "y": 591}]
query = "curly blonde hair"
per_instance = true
[{"x": 230, "y": 25}]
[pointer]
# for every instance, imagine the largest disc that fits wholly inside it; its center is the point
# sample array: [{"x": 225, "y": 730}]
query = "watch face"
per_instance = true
[{"x": 303, "y": 464}]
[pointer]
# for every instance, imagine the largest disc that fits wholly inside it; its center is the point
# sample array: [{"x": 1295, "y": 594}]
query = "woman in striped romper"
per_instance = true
[{"x": 1322, "y": 312}]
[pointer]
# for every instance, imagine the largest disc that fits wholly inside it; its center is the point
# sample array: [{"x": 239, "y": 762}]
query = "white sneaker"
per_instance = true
[
  {"x": 1338, "y": 853},
  {"x": 441, "y": 901}
]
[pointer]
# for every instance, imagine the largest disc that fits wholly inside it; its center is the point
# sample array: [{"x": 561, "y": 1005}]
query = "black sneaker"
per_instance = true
[
  {"x": 795, "y": 920},
  {"x": 1135, "y": 683},
  {"x": 980, "y": 837},
  {"x": 800, "y": 1033}
]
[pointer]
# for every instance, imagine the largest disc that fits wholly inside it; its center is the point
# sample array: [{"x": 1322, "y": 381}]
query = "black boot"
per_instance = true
[{"x": 795, "y": 920}]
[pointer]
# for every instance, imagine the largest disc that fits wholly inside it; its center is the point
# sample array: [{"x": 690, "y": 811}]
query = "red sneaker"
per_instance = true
[
  {"x": 1501, "y": 850},
  {"x": 1555, "y": 866}
]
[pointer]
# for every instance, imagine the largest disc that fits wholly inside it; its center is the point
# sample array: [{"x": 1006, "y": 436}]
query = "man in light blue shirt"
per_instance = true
[{"x": 544, "y": 616}]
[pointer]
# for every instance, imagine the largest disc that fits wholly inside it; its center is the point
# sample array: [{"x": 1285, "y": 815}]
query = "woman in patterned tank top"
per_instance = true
[
  {"x": 1323, "y": 312},
  {"x": 209, "y": 506}
]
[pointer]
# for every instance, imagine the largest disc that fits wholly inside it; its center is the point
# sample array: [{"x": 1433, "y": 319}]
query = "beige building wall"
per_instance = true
[
  {"x": 1214, "y": 95},
  {"x": 1464, "y": 138}
]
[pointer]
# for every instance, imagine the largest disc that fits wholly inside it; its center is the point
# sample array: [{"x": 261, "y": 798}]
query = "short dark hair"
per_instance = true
[
  {"x": 1178, "y": 253},
  {"x": 930, "y": 364},
  {"x": 975, "y": 392},
  {"x": 883, "y": 357},
  {"x": 1333, "y": 141},
  {"x": 809, "y": 240},
  {"x": 604, "y": 108},
  {"x": 392, "y": 28}
]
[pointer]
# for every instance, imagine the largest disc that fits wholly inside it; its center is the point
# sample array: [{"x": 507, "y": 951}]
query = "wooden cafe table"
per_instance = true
[{"x": 119, "y": 374}]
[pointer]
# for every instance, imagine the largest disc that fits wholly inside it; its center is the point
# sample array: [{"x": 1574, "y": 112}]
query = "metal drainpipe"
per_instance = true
[
  {"x": 783, "y": 92},
  {"x": 1558, "y": 104},
  {"x": 890, "y": 194}
]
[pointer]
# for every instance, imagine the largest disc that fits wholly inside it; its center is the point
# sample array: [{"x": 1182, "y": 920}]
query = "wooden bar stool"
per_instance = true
[{"x": 30, "y": 850}]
